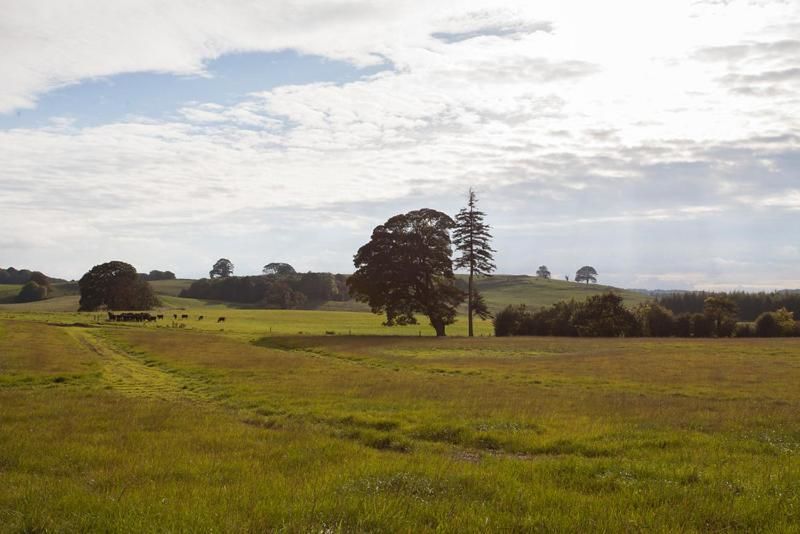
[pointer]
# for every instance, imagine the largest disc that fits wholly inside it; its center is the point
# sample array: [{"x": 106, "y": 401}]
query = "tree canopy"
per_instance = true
[
  {"x": 278, "y": 269},
  {"x": 587, "y": 274},
  {"x": 117, "y": 286},
  {"x": 223, "y": 268},
  {"x": 543, "y": 272},
  {"x": 471, "y": 238},
  {"x": 406, "y": 269},
  {"x": 155, "y": 275}
]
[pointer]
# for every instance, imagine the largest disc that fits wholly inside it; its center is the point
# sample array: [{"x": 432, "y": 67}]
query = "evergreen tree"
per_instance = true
[{"x": 471, "y": 238}]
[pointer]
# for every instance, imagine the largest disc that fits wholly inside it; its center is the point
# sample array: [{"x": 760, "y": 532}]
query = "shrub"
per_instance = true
[
  {"x": 507, "y": 321},
  {"x": 702, "y": 325},
  {"x": 655, "y": 320},
  {"x": 604, "y": 316},
  {"x": 31, "y": 292},
  {"x": 683, "y": 325},
  {"x": 557, "y": 320},
  {"x": 726, "y": 328},
  {"x": 767, "y": 325},
  {"x": 785, "y": 320},
  {"x": 743, "y": 330}
]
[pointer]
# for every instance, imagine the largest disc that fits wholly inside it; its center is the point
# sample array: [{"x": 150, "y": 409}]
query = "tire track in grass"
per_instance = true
[{"x": 131, "y": 376}]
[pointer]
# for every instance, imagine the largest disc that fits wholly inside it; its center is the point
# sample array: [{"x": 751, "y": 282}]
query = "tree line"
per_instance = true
[
  {"x": 606, "y": 316},
  {"x": 749, "y": 305},
  {"x": 279, "y": 289}
]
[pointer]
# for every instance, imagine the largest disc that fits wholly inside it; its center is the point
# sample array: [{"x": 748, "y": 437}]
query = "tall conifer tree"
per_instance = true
[{"x": 471, "y": 238}]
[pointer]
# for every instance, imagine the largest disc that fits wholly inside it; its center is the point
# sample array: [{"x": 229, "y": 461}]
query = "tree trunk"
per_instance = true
[
  {"x": 438, "y": 325},
  {"x": 469, "y": 305}
]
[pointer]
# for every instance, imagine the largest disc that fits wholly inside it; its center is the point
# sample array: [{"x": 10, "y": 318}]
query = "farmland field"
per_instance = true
[{"x": 233, "y": 427}]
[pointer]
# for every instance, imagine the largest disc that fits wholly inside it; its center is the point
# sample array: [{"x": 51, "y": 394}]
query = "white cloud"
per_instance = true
[{"x": 585, "y": 114}]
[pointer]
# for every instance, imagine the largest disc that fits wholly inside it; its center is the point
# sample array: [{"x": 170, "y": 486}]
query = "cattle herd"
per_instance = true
[{"x": 145, "y": 317}]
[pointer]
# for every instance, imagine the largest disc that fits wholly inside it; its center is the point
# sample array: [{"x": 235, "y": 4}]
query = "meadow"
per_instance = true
[{"x": 251, "y": 426}]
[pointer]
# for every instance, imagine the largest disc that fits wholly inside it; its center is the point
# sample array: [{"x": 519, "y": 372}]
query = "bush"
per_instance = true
[
  {"x": 743, "y": 330},
  {"x": 507, "y": 321},
  {"x": 604, "y": 316},
  {"x": 785, "y": 320},
  {"x": 655, "y": 320},
  {"x": 726, "y": 328},
  {"x": 31, "y": 292},
  {"x": 767, "y": 325},
  {"x": 556, "y": 320},
  {"x": 683, "y": 325},
  {"x": 702, "y": 325}
]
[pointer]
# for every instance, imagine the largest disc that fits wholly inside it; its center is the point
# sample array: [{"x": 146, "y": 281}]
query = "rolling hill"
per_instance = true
[
  {"x": 503, "y": 289},
  {"x": 499, "y": 291}
]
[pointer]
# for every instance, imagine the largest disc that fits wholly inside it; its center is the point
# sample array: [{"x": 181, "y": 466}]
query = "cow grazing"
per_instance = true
[
  {"x": 184, "y": 316},
  {"x": 221, "y": 320},
  {"x": 199, "y": 317},
  {"x": 160, "y": 316}
]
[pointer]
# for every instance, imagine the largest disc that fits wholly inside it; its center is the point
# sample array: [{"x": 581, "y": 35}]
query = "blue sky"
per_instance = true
[{"x": 169, "y": 136}]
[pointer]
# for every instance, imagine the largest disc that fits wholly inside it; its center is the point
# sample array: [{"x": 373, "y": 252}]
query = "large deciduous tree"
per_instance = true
[
  {"x": 405, "y": 269},
  {"x": 471, "y": 238},
  {"x": 222, "y": 269},
  {"x": 117, "y": 286},
  {"x": 279, "y": 269},
  {"x": 587, "y": 274}
]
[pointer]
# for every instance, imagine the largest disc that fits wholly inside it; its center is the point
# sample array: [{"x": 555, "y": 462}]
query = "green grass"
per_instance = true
[
  {"x": 8, "y": 292},
  {"x": 170, "y": 287},
  {"x": 132, "y": 428}
]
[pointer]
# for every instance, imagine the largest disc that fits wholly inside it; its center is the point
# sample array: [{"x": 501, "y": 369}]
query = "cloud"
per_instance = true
[{"x": 590, "y": 138}]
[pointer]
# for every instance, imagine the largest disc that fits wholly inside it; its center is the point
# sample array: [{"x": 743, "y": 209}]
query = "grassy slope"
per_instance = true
[
  {"x": 8, "y": 292},
  {"x": 157, "y": 429},
  {"x": 502, "y": 290}
]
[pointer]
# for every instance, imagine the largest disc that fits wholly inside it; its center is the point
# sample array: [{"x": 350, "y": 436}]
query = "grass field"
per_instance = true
[
  {"x": 8, "y": 292},
  {"x": 126, "y": 428}
]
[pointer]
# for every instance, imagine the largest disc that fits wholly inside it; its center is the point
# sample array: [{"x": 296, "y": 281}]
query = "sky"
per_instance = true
[{"x": 656, "y": 141}]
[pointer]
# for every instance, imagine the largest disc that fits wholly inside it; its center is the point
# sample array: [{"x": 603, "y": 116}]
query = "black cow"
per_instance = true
[{"x": 221, "y": 320}]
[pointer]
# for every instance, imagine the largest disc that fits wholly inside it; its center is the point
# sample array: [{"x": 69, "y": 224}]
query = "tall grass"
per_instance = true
[{"x": 126, "y": 428}]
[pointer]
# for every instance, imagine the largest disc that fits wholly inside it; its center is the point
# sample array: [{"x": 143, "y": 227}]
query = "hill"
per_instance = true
[
  {"x": 504, "y": 289},
  {"x": 499, "y": 291}
]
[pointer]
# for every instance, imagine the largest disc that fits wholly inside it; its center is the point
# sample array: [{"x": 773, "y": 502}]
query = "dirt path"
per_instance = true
[{"x": 132, "y": 375}]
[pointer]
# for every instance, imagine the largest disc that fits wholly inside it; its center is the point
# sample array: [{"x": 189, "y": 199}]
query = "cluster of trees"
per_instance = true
[
  {"x": 406, "y": 268},
  {"x": 21, "y": 276},
  {"x": 154, "y": 275},
  {"x": 749, "y": 305},
  {"x": 606, "y": 316},
  {"x": 600, "y": 315},
  {"x": 282, "y": 288},
  {"x": 115, "y": 285},
  {"x": 587, "y": 274},
  {"x": 37, "y": 287}
]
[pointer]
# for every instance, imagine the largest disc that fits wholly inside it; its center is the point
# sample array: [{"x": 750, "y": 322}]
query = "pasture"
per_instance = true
[{"x": 126, "y": 427}]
